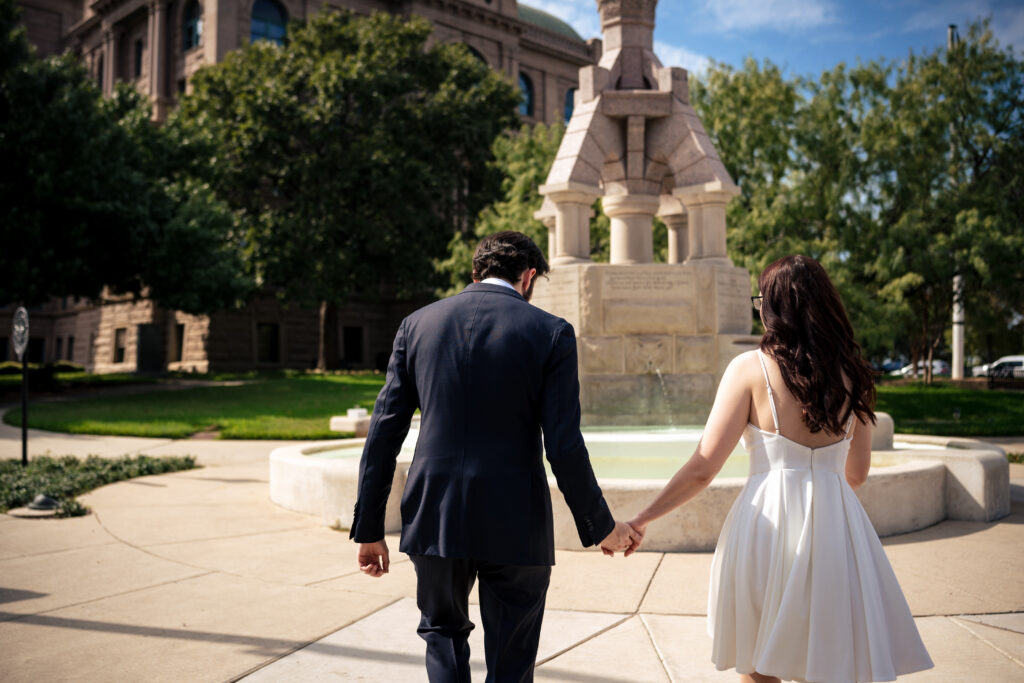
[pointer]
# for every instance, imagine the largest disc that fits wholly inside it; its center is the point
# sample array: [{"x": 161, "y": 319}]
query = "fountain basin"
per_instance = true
[{"x": 921, "y": 482}]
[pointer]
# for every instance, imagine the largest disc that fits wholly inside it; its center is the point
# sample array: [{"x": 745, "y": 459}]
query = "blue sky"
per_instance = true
[{"x": 805, "y": 37}]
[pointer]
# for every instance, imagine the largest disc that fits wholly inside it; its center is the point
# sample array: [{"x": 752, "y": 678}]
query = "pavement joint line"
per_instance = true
[
  {"x": 620, "y": 622},
  {"x": 985, "y": 640},
  {"x": 650, "y": 582},
  {"x": 59, "y": 551},
  {"x": 345, "y": 575},
  {"x": 265, "y": 664},
  {"x": 218, "y": 538},
  {"x": 657, "y": 650},
  {"x": 968, "y": 617},
  {"x": 44, "y": 612}
]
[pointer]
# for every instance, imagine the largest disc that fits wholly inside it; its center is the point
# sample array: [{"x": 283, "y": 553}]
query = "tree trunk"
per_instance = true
[{"x": 327, "y": 337}]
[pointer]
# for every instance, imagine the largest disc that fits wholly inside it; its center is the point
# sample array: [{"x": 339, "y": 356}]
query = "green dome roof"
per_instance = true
[{"x": 532, "y": 15}]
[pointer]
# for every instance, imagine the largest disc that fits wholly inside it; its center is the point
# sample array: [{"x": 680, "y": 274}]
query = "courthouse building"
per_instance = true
[{"x": 158, "y": 45}]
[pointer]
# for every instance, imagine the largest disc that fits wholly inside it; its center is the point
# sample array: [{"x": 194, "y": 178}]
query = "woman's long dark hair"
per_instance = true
[{"x": 809, "y": 335}]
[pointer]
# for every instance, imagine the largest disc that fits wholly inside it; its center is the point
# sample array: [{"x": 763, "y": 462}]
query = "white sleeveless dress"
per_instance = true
[{"x": 800, "y": 585}]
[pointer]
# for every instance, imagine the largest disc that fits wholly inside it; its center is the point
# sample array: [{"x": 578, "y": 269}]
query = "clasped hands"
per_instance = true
[
  {"x": 374, "y": 558},
  {"x": 624, "y": 537}
]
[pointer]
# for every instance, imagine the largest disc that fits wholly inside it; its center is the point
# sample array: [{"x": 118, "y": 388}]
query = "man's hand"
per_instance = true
[
  {"x": 638, "y": 529},
  {"x": 622, "y": 537},
  {"x": 373, "y": 558}
]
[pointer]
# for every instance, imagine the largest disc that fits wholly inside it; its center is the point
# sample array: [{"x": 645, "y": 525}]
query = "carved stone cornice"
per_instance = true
[
  {"x": 467, "y": 10},
  {"x": 634, "y": 11}
]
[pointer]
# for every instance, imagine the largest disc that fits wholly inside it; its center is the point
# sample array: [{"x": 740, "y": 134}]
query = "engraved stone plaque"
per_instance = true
[
  {"x": 650, "y": 283},
  {"x": 623, "y": 317}
]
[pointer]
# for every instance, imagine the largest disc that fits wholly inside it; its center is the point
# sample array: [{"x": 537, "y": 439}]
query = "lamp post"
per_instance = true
[
  {"x": 19, "y": 335},
  {"x": 952, "y": 38}
]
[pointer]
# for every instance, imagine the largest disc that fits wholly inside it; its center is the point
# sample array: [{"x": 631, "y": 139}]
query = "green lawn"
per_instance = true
[
  {"x": 300, "y": 407},
  {"x": 77, "y": 379},
  {"x": 297, "y": 407},
  {"x": 945, "y": 410}
]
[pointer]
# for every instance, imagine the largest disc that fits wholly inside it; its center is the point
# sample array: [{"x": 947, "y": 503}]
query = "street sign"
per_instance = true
[{"x": 19, "y": 333}]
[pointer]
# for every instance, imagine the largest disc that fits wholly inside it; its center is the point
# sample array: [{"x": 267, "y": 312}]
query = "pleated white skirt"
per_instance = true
[{"x": 800, "y": 585}]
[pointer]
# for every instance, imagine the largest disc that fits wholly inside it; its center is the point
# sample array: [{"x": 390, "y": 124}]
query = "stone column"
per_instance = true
[
  {"x": 673, "y": 215},
  {"x": 108, "y": 62},
  {"x": 548, "y": 215},
  {"x": 705, "y": 206},
  {"x": 631, "y": 239},
  {"x": 572, "y": 221},
  {"x": 158, "y": 58}
]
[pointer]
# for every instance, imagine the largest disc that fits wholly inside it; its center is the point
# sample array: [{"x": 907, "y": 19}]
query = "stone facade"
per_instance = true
[
  {"x": 137, "y": 336},
  {"x": 158, "y": 45}
]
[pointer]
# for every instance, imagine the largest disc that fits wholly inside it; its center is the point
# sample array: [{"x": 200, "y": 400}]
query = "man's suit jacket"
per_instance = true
[{"x": 488, "y": 371}]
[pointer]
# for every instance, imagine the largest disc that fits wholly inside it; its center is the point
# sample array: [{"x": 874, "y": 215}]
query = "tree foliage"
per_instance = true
[
  {"x": 896, "y": 176},
  {"x": 93, "y": 198},
  {"x": 351, "y": 154}
]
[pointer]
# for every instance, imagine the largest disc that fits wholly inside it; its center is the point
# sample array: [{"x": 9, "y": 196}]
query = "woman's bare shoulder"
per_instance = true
[{"x": 744, "y": 367}]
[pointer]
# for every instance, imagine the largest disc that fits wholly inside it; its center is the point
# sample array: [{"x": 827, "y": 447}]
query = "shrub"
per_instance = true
[
  {"x": 66, "y": 366},
  {"x": 66, "y": 477}
]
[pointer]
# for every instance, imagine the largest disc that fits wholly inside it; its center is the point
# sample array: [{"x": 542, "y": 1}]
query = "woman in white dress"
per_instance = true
[{"x": 801, "y": 588}]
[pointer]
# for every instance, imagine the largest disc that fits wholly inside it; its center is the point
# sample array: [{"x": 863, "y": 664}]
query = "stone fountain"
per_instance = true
[{"x": 653, "y": 339}]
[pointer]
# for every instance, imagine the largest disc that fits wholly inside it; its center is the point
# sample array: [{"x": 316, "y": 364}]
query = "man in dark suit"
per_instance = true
[{"x": 489, "y": 373}]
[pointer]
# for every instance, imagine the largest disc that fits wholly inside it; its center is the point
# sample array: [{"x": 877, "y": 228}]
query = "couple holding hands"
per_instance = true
[{"x": 800, "y": 586}]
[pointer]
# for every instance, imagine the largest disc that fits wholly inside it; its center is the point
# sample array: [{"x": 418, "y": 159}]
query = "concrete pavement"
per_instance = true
[{"x": 197, "y": 576}]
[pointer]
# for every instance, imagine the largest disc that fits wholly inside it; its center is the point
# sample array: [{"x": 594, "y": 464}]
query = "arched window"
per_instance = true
[
  {"x": 570, "y": 102},
  {"x": 476, "y": 53},
  {"x": 137, "y": 69},
  {"x": 526, "y": 93},
  {"x": 192, "y": 25},
  {"x": 268, "y": 22}
]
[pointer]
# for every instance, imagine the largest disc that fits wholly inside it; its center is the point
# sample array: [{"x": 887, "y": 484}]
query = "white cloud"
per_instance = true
[
  {"x": 778, "y": 15},
  {"x": 675, "y": 55}
]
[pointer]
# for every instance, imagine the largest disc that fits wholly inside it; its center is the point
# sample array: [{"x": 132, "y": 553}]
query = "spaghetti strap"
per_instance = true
[
  {"x": 771, "y": 394},
  {"x": 849, "y": 425}
]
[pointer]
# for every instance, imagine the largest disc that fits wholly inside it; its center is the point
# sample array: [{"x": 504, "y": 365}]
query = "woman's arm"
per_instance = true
[
  {"x": 729, "y": 416},
  {"x": 858, "y": 462}
]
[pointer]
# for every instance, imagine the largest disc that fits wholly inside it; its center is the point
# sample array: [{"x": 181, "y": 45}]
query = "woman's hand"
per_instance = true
[{"x": 640, "y": 529}]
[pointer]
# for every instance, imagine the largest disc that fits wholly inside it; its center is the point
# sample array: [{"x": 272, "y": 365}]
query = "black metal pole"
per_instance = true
[{"x": 24, "y": 410}]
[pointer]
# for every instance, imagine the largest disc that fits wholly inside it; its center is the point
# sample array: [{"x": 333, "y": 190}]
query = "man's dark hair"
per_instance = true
[{"x": 506, "y": 255}]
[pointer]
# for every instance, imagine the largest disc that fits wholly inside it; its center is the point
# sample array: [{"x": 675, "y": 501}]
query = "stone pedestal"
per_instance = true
[{"x": 653, "y": 339}]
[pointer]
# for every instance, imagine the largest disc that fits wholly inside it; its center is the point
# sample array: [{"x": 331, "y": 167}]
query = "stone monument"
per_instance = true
[{"x": 653, "y": 339}]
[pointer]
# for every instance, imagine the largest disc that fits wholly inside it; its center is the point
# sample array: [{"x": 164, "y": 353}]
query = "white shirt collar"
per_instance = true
[{"x": 497, "y": 281}]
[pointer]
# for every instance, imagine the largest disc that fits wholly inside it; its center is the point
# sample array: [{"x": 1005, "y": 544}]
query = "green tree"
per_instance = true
[
  {"x": 93, "y": 198},
  {"x": 895, "y": 176},
  {"x": 944, "y": 160},
  {"x": 350, "y": 155}
]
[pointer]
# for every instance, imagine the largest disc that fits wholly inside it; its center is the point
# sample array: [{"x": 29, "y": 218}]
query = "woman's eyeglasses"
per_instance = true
[{"x": 755, "y": 301}]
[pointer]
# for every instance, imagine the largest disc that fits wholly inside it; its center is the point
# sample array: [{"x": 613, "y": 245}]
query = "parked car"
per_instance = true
[
  {"x": 889, "y": 364},
  {"x": 1006, "y": 366},
  {"x": 939, "y": 367}
]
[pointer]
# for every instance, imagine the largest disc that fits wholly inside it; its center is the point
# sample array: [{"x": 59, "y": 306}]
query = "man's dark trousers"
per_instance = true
[{"x": 511, "y": 608}]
